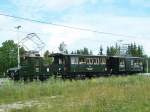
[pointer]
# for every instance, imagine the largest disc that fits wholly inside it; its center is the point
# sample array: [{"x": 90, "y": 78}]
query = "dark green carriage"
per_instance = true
[
  {"x": 78, "y": 65},
  {"x": 31, "y": 67},
  {"x": 134, "y": 65},
  {"x": 124, "y": 65}
]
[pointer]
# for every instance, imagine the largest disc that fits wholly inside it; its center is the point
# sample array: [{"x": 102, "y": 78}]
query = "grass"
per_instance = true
[{"x": 111, "y": 94}]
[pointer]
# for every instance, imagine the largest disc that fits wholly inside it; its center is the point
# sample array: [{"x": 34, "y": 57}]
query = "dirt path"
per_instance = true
[
  {"x": 18, "y": 105},
  {"x": 21, "y": 104}
]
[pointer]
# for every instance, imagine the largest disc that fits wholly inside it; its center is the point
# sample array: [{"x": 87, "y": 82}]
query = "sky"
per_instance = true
[{"x": 126, "y": 17}]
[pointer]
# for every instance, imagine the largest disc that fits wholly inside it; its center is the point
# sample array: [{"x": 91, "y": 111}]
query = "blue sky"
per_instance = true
[{"x": 128, "y": 17}]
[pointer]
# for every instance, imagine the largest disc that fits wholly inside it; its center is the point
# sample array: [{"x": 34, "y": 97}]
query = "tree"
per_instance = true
[
  {"x": 101, "y": 50},
  {"x": 140, "y": 51},
  {"x": 91, "y": 53},
  {"x": 111, "y": 51},
  {"x": 135, "y": 50},
  {"x": 8, "y": 55},
  {"x": 108, "y": 51},
  {"x": 62, "y": 48},
  {"x": 47, "y": 59},
  {"x": 85, "y": 51}
]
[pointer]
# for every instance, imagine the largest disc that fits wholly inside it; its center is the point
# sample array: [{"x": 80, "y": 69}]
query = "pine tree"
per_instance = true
[
  {"x": 108, "y": 51},
  {"x": 101, "y": 50}
]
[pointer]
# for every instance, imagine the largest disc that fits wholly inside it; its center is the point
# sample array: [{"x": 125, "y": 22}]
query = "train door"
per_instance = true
[
  {"x": 37, "y": 66},
  {"x": 113, "y": 65},
  {"x": 59, "y": 65}
]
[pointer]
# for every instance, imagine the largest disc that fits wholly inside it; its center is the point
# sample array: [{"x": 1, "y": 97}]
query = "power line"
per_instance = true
[
  {"x": 66, "y": 26},
  {"x": 23, "y": 32}
]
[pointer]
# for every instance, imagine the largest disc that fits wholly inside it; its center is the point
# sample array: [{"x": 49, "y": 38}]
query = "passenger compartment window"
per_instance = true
[
  {"x": 74, "y": 60},
  {"x": 82, "y": 61},
  {"x": 61, "y": 61},
  {"x": 96, "y": 61},
  {"x": 137, "y": 62},
  {"x": 102, "y": 60},
  {"x": 37, "y": 63},
  {"x": 121, "y": 62},
  {"x": 141, "y": 63},
  {"x": 37, "y": 69},
  {"x": 89, "y": 61},
  {"x": 131, "y": 62}
]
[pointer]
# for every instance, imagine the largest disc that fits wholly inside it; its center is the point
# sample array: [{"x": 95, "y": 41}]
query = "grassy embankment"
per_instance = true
[{"x": 112, "y": 94}]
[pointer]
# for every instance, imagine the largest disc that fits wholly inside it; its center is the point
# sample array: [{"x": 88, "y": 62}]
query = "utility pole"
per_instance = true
[
  {"x": 147, "y": 66},
  {"x": 17, "y": 28}
]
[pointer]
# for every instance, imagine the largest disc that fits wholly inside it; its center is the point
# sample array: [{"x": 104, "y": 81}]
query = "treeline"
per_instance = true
[
  {"x": 8, "y": 55},
  {"x": 84, "y": 51},
  {"x": 131, "y": 50}
]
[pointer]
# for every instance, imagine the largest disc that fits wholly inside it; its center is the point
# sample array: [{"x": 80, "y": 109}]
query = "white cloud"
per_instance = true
[
  {"x": 76, "y": 39},
  {"x": 138, "y": 27}
]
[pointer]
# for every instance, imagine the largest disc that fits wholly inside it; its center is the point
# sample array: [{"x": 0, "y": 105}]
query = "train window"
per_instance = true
[
  {"x": 24, "y": 62},
  {"x": 141, "y": 63},
  {"x": 61, "y": 61},
  {"x": 89, "y": 60},
  {"x": 82, "y": 61},
  {"x": 37, "y": 63},
  {"x": 56, "y": 60},
  {"x": 37, "y": 69},
  {"x": 102, "y": 61},
  {"x": 96, "y": 61},
  {"x": 131, "y": 62},
  {"x": 74, "y": 60},
  {"x": 52, "y": 59},
  {"x": 135, "y": 62},
  {"x": 121, "y": 62},
  {"x": 47, "y": 69}
]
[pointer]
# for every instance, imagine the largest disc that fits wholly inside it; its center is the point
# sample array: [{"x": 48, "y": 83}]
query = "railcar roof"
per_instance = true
[
  {"x": 127, "y": 57},
  {"x": 78, "y": 55}
]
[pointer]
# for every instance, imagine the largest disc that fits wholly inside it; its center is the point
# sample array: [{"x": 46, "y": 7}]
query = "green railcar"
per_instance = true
[
  {"x": 31, "y": 67},
  {"x": 134, "y": 65},
  {"x": 74, "y": 66},
  {"x": 124, "y": 65},
  {"x": 71, "y": 65}
]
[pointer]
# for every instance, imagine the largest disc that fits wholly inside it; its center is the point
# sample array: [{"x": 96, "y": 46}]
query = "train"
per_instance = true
[{"x": 74, "y": 66}]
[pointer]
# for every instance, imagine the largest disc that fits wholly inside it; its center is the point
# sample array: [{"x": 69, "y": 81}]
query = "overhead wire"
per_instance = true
[
  {"x": 66, "y": 26},
  {"x": 23, "y": 32}
]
